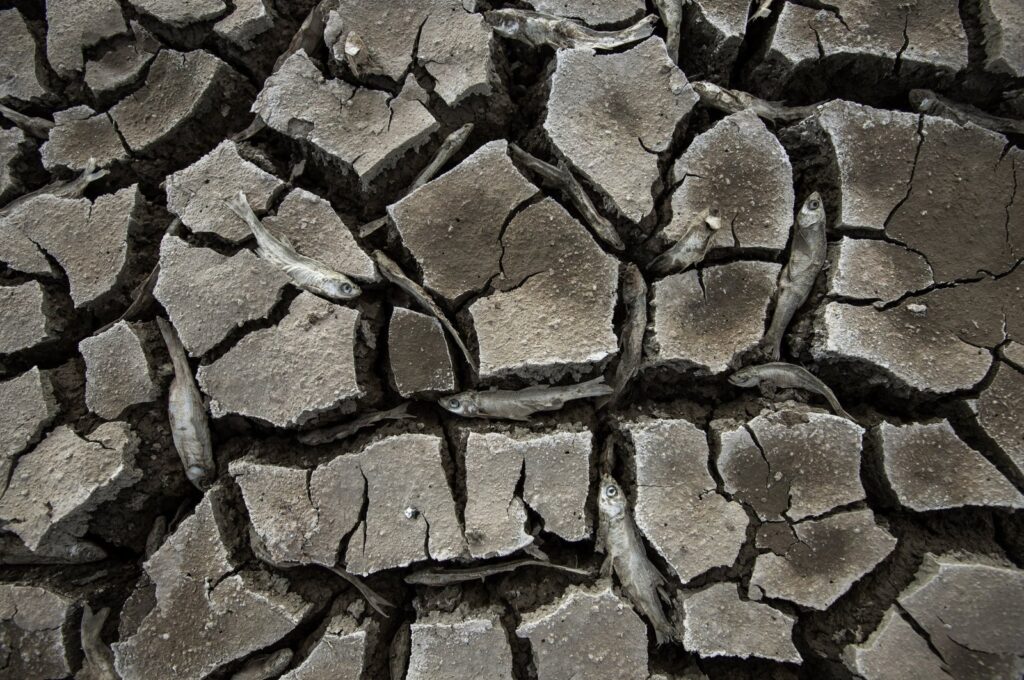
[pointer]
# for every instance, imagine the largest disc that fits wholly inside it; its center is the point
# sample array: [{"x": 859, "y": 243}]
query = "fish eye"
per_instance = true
[
  {"x": 454, "y": 403},
  {"x": 814, "y": 205},
  {"x": 611, "y": 491},
  {"x": 346, "y": 287},
  {"x": 196, "y": 472}
]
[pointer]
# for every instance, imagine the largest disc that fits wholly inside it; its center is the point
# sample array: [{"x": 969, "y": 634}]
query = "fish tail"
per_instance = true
[
  {"x": 90, "y": 174},
  {"x": 837, "y": 407},
  {"x": 239, "y": 205},
  {"x": 592, "y": 388},
  {"x": 174, "y": 347},
  {"x": 398, "y": 413},
  {"x": 640, "y": 30}
]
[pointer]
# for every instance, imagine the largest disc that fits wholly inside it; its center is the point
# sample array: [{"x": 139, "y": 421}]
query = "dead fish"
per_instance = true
[
  {"x": 634, "y": 298},
  {"x": 398, "y": 651},
  {"x": 98, "y": 662},
  {"x": 190, "y": 428},
  {"x": 627, "y": 558},
  {"x": 806, "y": 258},
  {"x": 780, "y": 375},
  {"x": 37, "y": 127},
  {"x": 692, "y": 247},
  {"x": 926, "y": 101},
  {"x": 325, "y": 435},
  {"x": 265, "y": 666},
  {"x": 306, "y": 272},
  {"x": 443, "y": 577},
  {"x": 562, "y": 178},
  {"x": 763, "y": 10},
  {"x": 733, "y": 101},
  {"x": 358, "y": 57},
  {"x": 73, "y": 188},
  {"x": 671, "y": 12},
  {"x": 390, "y": 270},
  {"x": 521, "y": 404},
  {"x": 449, "y": 147},
  {"x": 369, "y": 594},
  {"x": 539, "y": 30}
]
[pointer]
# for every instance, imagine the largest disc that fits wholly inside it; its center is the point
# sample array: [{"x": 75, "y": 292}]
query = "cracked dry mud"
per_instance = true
[{"x": 353, "y": 528}]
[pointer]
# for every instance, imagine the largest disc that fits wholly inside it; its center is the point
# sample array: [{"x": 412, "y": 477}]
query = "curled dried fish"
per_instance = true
[
  {"x": 692, "y": 247},
  {"x": 539, "y": 30},
  {"x": 634, "y": 298},
  {"x": 733, "y": 101},
  {"x": 926, "y": 101},
  {"x": 73, "y": 188},
  {"x": 780, "y": 375}
]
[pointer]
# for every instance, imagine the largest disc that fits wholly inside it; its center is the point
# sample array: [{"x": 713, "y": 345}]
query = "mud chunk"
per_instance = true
[
  {"x": 19, "y": 73},
  {"x": 998, "y": 412},
  {"x": 462, "y": 647},
  {"x": 286, "y": 374},
  {"x": 207, "y": 613},
  {"x": 495, "y": 516},
  {"x": 894, "y": 650},
  {"x": 26, "y": 318},
  {"x": 82, "y": 134},
  {"x": 364, "y": 130},
  {"x": 792, "y": 464},
  {"x": 73, "y": 26},
  {"x": 207, "y": 295},
  {"x": 389, "y": 536},
  {"x": 419, "y": 354},
  {"x": 557, "y": 480},
  {"x": 553, "y": 309},
  {"x": 930, "y": 468},
  {"x": 456, "y": 49},
  {"x": 587, "y": 633},
  {"x": 56, "y": 487},
  {"x": 704, "y": 320},
  {"x": 182, "y": 91},
  {"x": 829, "y": 556},
  {"x": 719, "y": 623},
  {"x": 1002, "y": 24},
  {"x": 249, "y": 20},
  {"x": 122, "y": 65},
  {"x": 339, "y": 654},
  {"x": 197, "y": 194},
  {"x": 972, "y": 613},
  {"x": 593, "y": 12},
  {"x": 180, "y": 13},
  {"x": 316, "y": 231},
  {"x": 388, "y": 31},
  {"x": 718, "y": 28},
  {"x": 117, "y": 372},
  {"x": 867, "y": 269},
  {"x": 13, "y": 147},
  {"x": 677, "y": 506},
  {"x": 611, "y": 115},
  {"x": 30, "y": 406},
  {"x": 452, "y": 224},
  {"x": 742, "y": 170},
  {"x": 33, "y": 622}
]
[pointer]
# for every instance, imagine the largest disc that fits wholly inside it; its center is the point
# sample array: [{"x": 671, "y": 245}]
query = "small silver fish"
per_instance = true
[
  {"x": 539, "y": 30},
  {"x": 806, "y": 258},
  {"x": 190, "y": 428},
  {"x": 334, "y": 433},
  {"x": 73, "y": 188},
  {"x": 399, "y": 650},
  {"x": 926, "y": 101},
  {"x": 98, "y": 662},
  {"x": 306, "y": 272},
  {"x": 733, "y": 101},
  {"x": 369, "y": 594},
  {"x": 780, "y": 375},
  {"x": 692, "y": 247},
  {"x": 449, "y": 147},
  {"x": 671, "y": 12},
  {"x": 265, "y": 666},
  {"x": 439, "y": 578},
  {"x": 634, "y": 298},
  {"x": 562, "y": 178},
  {"x": 37, "y": 127},
  {"x": 627, "y": 558},
  {"x": 521, "y": 404}
]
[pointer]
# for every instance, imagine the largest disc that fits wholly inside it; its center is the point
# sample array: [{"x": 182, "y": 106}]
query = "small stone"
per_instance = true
[
  {"x": 286, "y": 374},
  {"x": 998, "y": 412},
  {"x": 364, "y": 130},
  {"x": 972, "y": 614},
  {"x": 610, "y": 115},
  {"x": 678, "y": 509},
  {"x": 419, "y": 354},
  {"x": 20, "y": 75},
  {"x": 56, "y": 487},
  {"x": 894, "y": 650},
  {"x": 452, "y": 224},
  {"x": 73, "y": 26},
  {"x": 719, "y": 623},
  {"x": 705, "y": 320},
  {"x": 553, "y": 308},
  {"x": 741, "y": 169},
  {"x": 315, "y": 229},
  {"x": 930, "y": 468},
  {"x": 13, "y": 151},
  {"x": 26, "y": 319},
  {"x": 466, "y": 647},
  {"x": 80, "y": 136},
  {"x": 249, "y": 20},
  {"x": 456, "y": 48},
  {"x": 117, "y": 371},
  {"x": 593, "y": 12},
  {"x": 33, "y": 622},
  {"x": 792, "y": 464},
  {"x": 868, "y": 269},
  {"x": 830, "y": 555},
  {"x": 339, "y": 654},
  {"x": 1002, "y": 24},
  {"x": 495, "y": 516},
  {"x": 197, "y": 194},
  {"x": 30, "y": 405},
  {"x": 207, "y": 295},
  {"x": 587, "y": 633},
  {"x": 180, "y": 13}
]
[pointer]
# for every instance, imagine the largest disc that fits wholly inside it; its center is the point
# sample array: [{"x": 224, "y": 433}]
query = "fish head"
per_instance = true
[
  {"x": 712, "y": 218},
  {"x": 461, "y": 404},
  {"x": 610, "y": 500},
  {"x": 198, "y": 475},
  {"x": 812, "y": 212},
  {"x": 341, "y": 288},
  {"x": 745, "y": 377}
]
